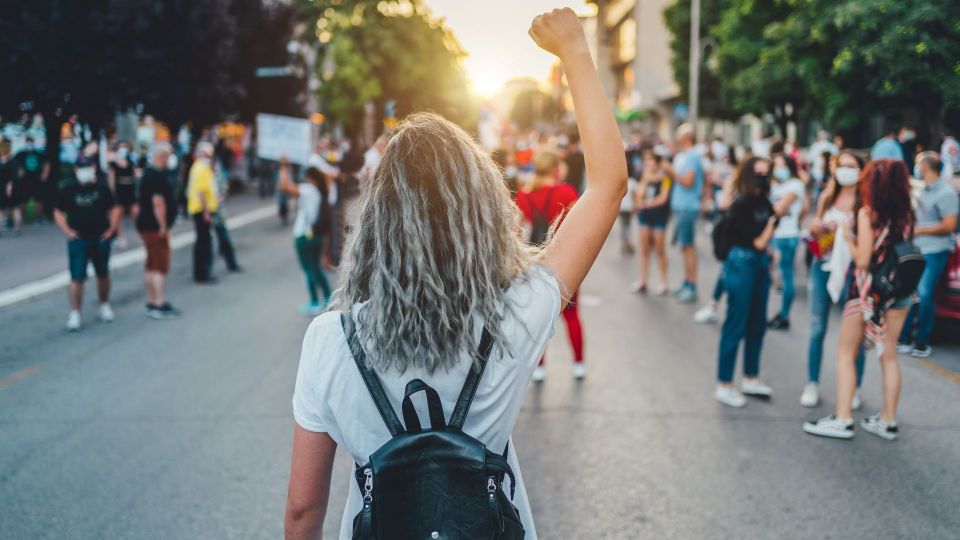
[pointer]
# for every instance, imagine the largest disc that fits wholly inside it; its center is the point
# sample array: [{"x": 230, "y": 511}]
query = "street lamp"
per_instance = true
[{"x": 697, "y": 51}]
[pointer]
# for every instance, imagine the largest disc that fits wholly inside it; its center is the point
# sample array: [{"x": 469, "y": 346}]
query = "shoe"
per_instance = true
[
  {"x": 539, "y": 374},
  {"x": 209, "y": 281},
  {"x": 706, "y": 315},
  {"x": 857, "y": 401},
  {"x": 662, "y": 291},
  {"x": 830, "y": 426},
  {"x": 311, "y": 309},
  {"x": 105, "y": 313},
  {"x": 166, "y": 312},
  {"x": 640, "y": 287},
  {"x": 811, "y": 395},
  {"x": 235, "y": 269},
  {"x": 904, "y": 347},
  {"x": 756, "y": 387},
  {"x": 687, "y": 296},
  {"x": 779, "y": 323},
  {"x": 73, "y": 321},
  {"x": 578, "y": 370},
  {"x": 729, "y": 396},
  {"x": 921, "y": 351},
  {"x": 880, "y": 427}
]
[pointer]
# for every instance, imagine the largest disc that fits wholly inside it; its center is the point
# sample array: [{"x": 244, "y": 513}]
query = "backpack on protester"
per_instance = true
[
  {"x": 540, "y": 224},
  {"x": 898, "y": 274},
  {"x": 323, "y": 225},
  {"x": 722, "y": 236},
  {"x": 431, "y": 483}
]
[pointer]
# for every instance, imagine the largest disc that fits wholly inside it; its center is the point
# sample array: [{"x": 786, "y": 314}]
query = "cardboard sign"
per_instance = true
[{"x": 283, "y": 136}]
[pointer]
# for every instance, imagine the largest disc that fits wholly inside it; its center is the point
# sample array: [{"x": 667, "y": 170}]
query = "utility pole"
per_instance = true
[{"x": 694, "y": 62}]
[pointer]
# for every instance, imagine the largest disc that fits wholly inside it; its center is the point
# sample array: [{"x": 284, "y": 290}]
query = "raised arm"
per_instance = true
[{"x": 578, "y": 240}]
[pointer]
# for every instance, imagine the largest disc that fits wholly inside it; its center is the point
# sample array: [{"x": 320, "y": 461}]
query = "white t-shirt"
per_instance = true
[
  {"x": 371, "y": 160},
  {"x": 308, "y": 209},
  {"x": 330, "y": 396},
  {"x": 789, "y": 226}
]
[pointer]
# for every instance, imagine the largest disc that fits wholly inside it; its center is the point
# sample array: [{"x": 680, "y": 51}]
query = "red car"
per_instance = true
[{"x": 947, "y": 298}]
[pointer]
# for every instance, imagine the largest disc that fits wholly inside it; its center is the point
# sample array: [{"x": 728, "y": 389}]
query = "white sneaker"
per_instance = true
[
  {"x": 830, "y": 426},
  {"x": 105, "y": 313},
  {"x": 539, "y": 374},
  {"x": 729, "y": 396},
  {"x": 578, "y": 370},
  {"x": 73, "y": 321},
  {"x": 811, "y": 395},
  {"x": 755, "y": 387},
  {"x": 857, "y": 401},
  {"x": 706, "y": 315},
  {"x": 904, "y": 348},
  {"x": 880, "y": 427}
]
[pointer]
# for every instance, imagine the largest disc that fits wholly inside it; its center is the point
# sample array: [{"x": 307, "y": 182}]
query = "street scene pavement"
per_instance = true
[{"x": 181, "y": 429}]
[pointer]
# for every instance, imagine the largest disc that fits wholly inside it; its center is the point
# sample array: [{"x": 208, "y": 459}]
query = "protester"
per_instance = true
[
  {"x": 652, "y": 201},
  {"x": 311, "y": 228},
  {"x": 574, "y": 162},
  {"x": 11, "y": 191},
  {"x": 936, "y": 212},
  {"x": 156, "y": 213},
  {"x": 89, "y": 217},
  {"x": 202, "y": 202},
  {"x": 372, "y": 158},
  {"x": 787, "y": 193},
  {"x": 950, "y": 154},
  {"x": 33, "y": 172},
  {"x": 884, "y": 218},
  {"x": 685, "y": 203},
  {"x": 544, "y": 202},
  {"x": 626, "y": 218},
  {"x": 908, "y": 144},
  {"x": 420, "y": 299},
  {"x": 835, "y": 209},
  {"x": 887, "y": 147},
  {"x": 815, "y": 162},
  {"x": 122, "y": 178}
]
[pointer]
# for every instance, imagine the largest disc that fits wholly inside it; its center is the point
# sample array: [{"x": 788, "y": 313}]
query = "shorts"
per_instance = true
[
  {"x": 905, "y": 302},
  {"x": 126, "y": 197},
  {"x": 81, "y": 252},
  {"x": 657, "y": 222},
  {"x": 157, "y": 247},
  {"x": 685, "y": 227}
]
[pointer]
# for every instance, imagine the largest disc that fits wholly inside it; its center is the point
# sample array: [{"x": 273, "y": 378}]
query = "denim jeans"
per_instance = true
[
  {"x": 309, "y": 252},
  {"x": 81, "y": 252},
  {"x": 924, "y": 311},
  {"x": 820, "y": 307},
  {"x": 787, "y": 248},
  {"x": 746, "y": 280}
]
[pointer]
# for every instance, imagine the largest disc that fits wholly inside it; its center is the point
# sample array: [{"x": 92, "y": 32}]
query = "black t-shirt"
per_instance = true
[
  {"x": 87, "y": 208},
  {"x": 748, "y": 218},
  {"x": 8, "y": 174},
  {"x": 31, "y": 162},
  {"x": 125, "y": 175},
  {"x": 154, "y": 182}
]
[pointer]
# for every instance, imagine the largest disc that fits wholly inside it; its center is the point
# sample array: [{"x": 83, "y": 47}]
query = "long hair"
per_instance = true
[
  {"x": 746, "y": 181},
  {"x": 885, "y": 189},
  {"x": 833, "y": 185},
  {"x": 435, "y": 249}
]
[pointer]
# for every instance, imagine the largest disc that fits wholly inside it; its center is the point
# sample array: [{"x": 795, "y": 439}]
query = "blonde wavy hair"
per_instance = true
[{"x": 435, "y": 249}]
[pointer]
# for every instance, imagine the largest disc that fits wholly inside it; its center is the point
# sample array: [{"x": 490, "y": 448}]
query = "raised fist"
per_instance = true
[{"x": 558, "y": 32}]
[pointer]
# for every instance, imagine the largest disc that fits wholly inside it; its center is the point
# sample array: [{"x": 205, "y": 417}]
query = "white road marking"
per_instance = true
[{"x": 59, "y": 280}]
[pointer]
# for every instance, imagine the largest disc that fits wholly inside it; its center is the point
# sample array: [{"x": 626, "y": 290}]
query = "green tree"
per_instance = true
[{"x": 389, "y": 50}]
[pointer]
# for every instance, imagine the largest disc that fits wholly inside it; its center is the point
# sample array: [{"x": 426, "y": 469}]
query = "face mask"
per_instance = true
[
  {"x": 909, "y": 136},
  {"x": 86, "y": 175},
  {"x": 781, "y": 173},
  {"x": 847, "y": 176},
  {"x": 172, "y": 162},
  {"x": 123, "y": 153},
  {"x": 762, "y": 180}
]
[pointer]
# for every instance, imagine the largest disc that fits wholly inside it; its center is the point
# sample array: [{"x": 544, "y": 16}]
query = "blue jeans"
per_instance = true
[
  {"x": 746, "y": 280},
  {"x": 820, "y": 306},
  {"x": 787, "y": 247},
  {"x": 924, "y": 311}
]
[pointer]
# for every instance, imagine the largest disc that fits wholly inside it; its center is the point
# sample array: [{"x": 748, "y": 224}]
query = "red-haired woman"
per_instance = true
[{"x": 884, "y": 218}]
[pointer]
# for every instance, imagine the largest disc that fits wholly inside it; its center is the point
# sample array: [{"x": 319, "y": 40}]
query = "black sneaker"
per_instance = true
[
  {"x": 880, "y": 427},
  {"x": 779, "y": 323},
  {"x": 921, "y": 351}
]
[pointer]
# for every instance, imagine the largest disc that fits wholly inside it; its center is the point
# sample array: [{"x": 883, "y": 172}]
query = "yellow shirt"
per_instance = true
[{"x": 201, "y": 186}]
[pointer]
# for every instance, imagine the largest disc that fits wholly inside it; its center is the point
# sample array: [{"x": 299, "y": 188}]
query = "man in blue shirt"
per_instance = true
[
  {"x": 685, "y": 203},
  {"x": 937, "y": 208},
  {"x": 888, "y": 147}
]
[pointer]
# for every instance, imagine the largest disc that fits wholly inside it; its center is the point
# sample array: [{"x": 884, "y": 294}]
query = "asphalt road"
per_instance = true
[{"x": 142, "y": 429}]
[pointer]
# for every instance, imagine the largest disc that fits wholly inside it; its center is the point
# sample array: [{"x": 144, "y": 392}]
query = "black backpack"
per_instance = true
[
  {"x": 541, "y": 222},
  {"x": 323, "y": 225},
  {"x": 431, "y": 483},
  {"x": 899, "y": 274},
  {"x": 722, "y": 236}
]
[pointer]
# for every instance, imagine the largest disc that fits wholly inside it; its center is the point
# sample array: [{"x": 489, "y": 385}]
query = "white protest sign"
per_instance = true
[{"x": 283, "y": 136}]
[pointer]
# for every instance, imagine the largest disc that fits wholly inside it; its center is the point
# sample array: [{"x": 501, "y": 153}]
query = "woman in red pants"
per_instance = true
[{"x": 544, "y": 202}]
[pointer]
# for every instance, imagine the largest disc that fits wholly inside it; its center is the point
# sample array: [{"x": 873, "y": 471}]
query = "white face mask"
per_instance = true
[
  {"x": 86, "y": 175},
  {"x": 172, "y": 162},
  {"x": 847, "y": 176}
]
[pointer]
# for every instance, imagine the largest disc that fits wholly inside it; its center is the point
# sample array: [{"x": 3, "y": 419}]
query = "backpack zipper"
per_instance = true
[
  {"x": 368, "y": 487},
  {"x": 492, "y": 488}
]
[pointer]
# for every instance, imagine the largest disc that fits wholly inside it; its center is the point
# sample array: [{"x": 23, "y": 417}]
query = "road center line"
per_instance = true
[{"x": 18, "y": 375}]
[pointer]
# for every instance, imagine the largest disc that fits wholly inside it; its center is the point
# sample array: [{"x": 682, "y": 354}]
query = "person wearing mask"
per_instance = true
[
  {"x": 936, "y": 211},
  {"x": 835, "y": 208},
  {"x": 33, "y": 172},
  {"x": 311, "y": 229},
  {"x": 545, "y": 202},
  {"x": 908, "y": 142},
  {"x": 884, "y": 218},
  {"x": 156, "y": 211},
  {"x": 418, "y": 300},
  {"x": 122, "y": 178},
  {"x": 11, "y": 192},
  {"x": 685, "y": 203},
  {"x": 652, "y": 201},
  {"x": 88, "y": 215},
  {"x": 950, "y": 154},
  {"x": 202, "y": 203},
  {"x": 746, "y": 280},
  {"x": 887, "y": 147},
  {"x": 787, "y": 193},
  {"x": 815, "y": 157}
]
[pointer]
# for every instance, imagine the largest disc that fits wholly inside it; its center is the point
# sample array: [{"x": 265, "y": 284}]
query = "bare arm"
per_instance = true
[
  {"x": 685, "y": 180},
  {"x": 309, "y": 490},
  {"x": 862, "y": 245},
  {"x": 761, "y": 242},
  {"x": 160, "y": 211},
  {"x": 783, "y": 205},
  {"x": 947, "y": 225},
  {"x": 61, "y": 220},
  {"x": 116, "y": 213},
  {"x": 578, "y": 240},
  {"x": 287, "y": 185}
]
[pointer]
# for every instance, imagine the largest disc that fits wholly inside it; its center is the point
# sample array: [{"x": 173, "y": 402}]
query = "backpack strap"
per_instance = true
[
  {"x": 470, "y": 385},
  {"x": 546, "y": 206},
  {"x": 369, "y": 377}
]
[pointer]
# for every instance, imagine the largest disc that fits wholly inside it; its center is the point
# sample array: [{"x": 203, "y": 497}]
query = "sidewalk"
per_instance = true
[{"x": 40, "y": 251}]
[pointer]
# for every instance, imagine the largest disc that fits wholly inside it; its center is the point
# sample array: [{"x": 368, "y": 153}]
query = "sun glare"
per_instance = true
[{"x": 485, "y": 80}]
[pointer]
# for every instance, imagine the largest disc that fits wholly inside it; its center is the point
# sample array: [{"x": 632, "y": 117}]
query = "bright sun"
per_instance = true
[{"x": 486, "y": 80}]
